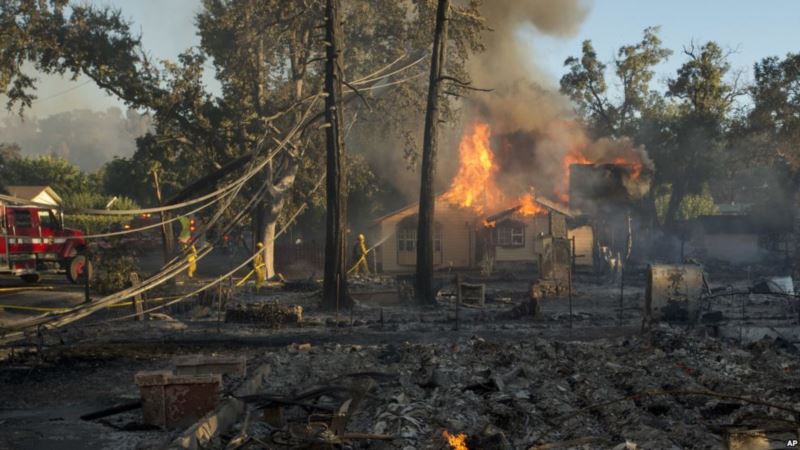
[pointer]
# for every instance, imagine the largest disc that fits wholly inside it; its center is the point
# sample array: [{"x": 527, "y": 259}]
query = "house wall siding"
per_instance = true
[
  {"x": 457, "y": 239},
  {"x": 527, "y": 253},
  {"x": 584, "y": 245}
]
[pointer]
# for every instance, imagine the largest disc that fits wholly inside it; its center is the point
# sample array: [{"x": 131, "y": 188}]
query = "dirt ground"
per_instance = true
[{"x": 589, "y": 379}]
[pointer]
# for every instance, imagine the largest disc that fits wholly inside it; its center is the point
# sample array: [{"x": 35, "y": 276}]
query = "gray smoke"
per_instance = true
[
  {"x": 85, "y": 138},
  {"x": 533, "y": 125}
]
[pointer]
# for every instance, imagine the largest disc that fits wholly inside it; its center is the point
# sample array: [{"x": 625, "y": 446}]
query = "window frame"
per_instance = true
[
  {"x": 510, "y": 234},
  {"x": 407, "y": 238}
]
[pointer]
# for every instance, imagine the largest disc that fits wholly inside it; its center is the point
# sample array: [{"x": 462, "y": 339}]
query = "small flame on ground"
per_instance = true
[{"x": 457, "y": 442}]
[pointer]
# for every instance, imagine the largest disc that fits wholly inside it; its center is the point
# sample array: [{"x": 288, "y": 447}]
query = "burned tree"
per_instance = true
[
  {"x": 424, "y": 278},
  {"x": 334, "y": 290}
]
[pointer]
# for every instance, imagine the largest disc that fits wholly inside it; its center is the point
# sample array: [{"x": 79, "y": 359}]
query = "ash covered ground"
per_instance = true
[{"x": 504, "y": 379}]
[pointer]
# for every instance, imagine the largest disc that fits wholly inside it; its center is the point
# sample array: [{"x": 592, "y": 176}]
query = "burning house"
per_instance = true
[
  {"x": 609, "y": 198},
  {"x": 490, "y": 216},
  {"x": 465, "y": 239}
]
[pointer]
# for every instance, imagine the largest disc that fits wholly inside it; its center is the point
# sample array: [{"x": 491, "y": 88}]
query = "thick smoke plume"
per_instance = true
[{"x": 534, "y": 131}]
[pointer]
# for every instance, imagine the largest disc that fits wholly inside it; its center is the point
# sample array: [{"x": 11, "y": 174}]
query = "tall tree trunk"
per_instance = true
[
  {"x": 675, "y": 199},
  {"x": 271, "y": 207},
  {"x": 268, "y": 211},
  {"x": 424, "y": 277},
  {"x": 334, "y": 287}
]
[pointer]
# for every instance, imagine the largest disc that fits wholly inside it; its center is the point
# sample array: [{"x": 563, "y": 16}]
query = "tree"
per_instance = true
[
  {"x": 704, "y": 99},
  {"x": 639, "y": 113},
  {"x": 772, "y": 128},
  {"x": 424, "y": 274},
  {"x": 7, "y": 153},
  {"x": 585, "y": 84},
  {"x": 265, "y": 63},
  {"x": 775, "y": 117},
  {"x": 52, "y": 171}
]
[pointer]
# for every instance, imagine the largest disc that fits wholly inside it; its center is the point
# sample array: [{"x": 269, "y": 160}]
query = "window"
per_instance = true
[
  {"x": 511, "y": 234},
  {"x": 50, "y": 220},
  {"x": 407, "y": 239},
  {"x": 22, "y": 218}
]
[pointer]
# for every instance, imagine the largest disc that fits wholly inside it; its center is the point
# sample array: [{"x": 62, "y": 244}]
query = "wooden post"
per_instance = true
[
  {"x": 87, "y": 298},
  {"x": 138, "y": 309},
  {"x": 569, "y": 287},
  {"x": 219, "y": 307},
  {"x": 574, "y": 256},
  {"x": 458, "y": 298},
  {"x": 621, "y": 286},
  {"x": 167, "y": 242}
]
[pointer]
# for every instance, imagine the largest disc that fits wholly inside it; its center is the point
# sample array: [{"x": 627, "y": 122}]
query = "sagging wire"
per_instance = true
[
  {"x": 230, "y": 273},
  {"x": 379, "y": 76},
  {"x": 219, "y": 192},
  {"x": 167, "y": 272},
  {"x": 153, "y": 225}
]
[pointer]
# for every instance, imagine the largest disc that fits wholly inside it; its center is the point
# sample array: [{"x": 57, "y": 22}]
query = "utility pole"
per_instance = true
[{"x": 334, "y": 288}]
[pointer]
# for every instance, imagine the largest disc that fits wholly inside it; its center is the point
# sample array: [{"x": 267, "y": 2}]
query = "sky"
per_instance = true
[{"x": 752, "y": 29}]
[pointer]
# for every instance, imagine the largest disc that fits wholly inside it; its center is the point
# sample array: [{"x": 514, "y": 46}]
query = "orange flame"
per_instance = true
[
  {"x": 474, "y": 186},
  {"x": 634, "y": 165},
  {"x": 457, "y": 442},
  {"x": 529, "y": 207},
  {"x": 575, "y": 156}
]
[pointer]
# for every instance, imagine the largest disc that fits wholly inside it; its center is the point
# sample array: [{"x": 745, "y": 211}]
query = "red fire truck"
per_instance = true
[{"x": 33, "y": 241}]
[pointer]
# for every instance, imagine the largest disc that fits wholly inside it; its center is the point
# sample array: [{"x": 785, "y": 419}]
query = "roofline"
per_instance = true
[
  {"x": 398, "y": 211},
  {"x": 543, "y": 201}
]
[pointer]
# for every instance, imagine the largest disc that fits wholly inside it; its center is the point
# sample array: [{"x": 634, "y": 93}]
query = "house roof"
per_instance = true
[
  {"x": 543, "y": 201},
  {"x": 29, "y": 193},
  {"x": 552, "y": 206},
  {"x": 401, "y": 210}
]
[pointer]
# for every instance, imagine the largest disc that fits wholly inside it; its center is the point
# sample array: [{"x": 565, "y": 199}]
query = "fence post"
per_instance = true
[
  {"x": 458, "y": 298},
  {"x": 138, "y": 309}
]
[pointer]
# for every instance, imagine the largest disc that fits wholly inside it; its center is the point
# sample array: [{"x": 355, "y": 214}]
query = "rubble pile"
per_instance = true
[
  {"x": 664, "y": 390},
  {"x": 269, "y": 313}
]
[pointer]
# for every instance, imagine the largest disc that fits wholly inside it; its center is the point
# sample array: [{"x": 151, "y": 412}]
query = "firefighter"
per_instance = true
[
  {"x": 259, "y": 267},
  {"x": 360, "y": 255},
  {"x": 192, "y": 258},
  {"x": 185, "y": 239}
]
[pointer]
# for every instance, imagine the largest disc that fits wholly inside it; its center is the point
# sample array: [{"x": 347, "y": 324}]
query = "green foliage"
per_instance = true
[
  {"x": 700, "y": 81},
  {"x": 46, "y": 171},
  {"x": 70, "y": 39},
  {"x": 773, "y": 125},
  {"x": 113, "y": 263},
  {"x": 691, "y": 207},
  {"x": 95, "y": 224},
  {"x": 585, "y": 83},
  {"x": 77, "y": 189}
]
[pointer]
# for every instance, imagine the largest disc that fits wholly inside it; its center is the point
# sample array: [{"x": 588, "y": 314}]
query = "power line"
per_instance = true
[{"x": 58, "y": 94}]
